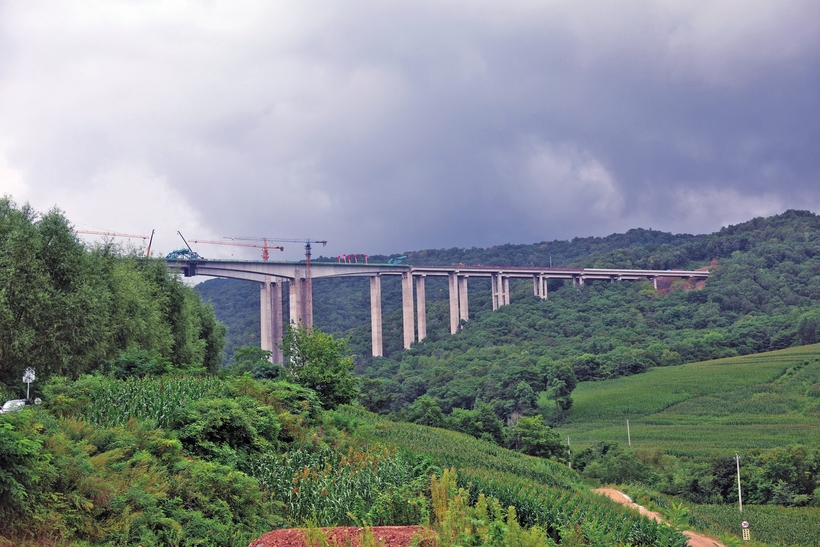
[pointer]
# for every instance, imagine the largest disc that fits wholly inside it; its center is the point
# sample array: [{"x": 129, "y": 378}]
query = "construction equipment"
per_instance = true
[
  {"x": 117, "y": 234},
  {"x": 264, "y": 246},
  {"x": 150, "y": 241},
  {"x": 184, "y": 254},
  {"x": 307, "y": 242}
]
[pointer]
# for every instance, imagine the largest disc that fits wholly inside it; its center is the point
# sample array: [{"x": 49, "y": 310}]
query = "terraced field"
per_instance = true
[{"x": 755, "y": 401}]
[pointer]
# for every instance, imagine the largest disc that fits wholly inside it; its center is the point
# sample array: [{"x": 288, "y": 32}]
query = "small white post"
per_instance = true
[
  {"x": 569, "y": 451},
  {"x": 28, "y": 378},
  {"x": 628, "y": 436}
]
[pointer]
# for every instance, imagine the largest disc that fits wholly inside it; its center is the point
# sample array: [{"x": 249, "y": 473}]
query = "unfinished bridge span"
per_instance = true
[{"x": 272, "y": 275}]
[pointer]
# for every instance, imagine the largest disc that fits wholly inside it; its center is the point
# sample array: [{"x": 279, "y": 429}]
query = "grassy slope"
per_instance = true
[{"x": 739, "y": 403}]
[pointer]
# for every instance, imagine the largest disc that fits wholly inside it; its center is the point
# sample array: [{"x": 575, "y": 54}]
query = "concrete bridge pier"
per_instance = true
[
  {"x": 270, "y": 300},
  {"x": 421, "y": 308},
  {"x": 301, "y": 309},
  {"x": 407, "y": 309},
  {"x": 500, "y": 290},
  {"x": 295, "y": 302},
  {"x": 265, "y": 315},
  {"x": 463, "y": 305},
  {"x": 277, "y": 323},
  {"x": 540, "y": 286},
  {"x": 453, "y": 279},
  {"x": 376, "y": 315}
]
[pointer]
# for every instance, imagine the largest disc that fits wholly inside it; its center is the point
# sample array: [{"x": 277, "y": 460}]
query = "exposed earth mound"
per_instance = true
[{"x": 389, "y": 536}]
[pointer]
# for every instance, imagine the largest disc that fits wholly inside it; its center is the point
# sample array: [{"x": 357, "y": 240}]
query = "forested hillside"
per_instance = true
[{"x": 524, "y": 358}]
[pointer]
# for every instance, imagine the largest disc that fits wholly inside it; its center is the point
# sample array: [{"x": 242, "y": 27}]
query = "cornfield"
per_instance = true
[
  {"x": 152, "y": 400},
  {"x": 768, "y": 523},
  {"x": 326, "y": 488}
]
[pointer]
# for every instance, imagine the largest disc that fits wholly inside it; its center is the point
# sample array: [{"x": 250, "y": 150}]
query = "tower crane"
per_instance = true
[
  {"x": 118, "y": 234},
  {"x": 308, "y": 243},
  {"x": 264, "y": 246}
]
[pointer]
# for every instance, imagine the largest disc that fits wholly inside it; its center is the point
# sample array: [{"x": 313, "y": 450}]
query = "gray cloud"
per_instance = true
[{"x": 385, "y": 127}]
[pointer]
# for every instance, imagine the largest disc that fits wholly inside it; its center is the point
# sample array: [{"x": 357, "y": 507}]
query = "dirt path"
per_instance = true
[{"x": 695, "y": 539}]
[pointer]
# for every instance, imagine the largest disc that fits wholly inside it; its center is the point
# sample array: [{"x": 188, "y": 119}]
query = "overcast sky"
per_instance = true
[{"x": 388, "y": 126}]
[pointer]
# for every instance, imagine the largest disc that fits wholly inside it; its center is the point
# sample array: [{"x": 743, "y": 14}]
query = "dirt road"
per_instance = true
[{"x": 695, "y": 539}]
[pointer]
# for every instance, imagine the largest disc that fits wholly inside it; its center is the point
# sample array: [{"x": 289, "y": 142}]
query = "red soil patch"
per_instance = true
[{"x": 390, "y": 536}]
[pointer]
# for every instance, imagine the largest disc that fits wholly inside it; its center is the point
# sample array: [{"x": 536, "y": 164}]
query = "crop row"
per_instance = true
[
  {"x": 558, "y": 510},
  {"x": 153, "y": 400},
  {"x": 449, "y": 448},
  {"x": 767, "y": 523},
  {"x": 326, "y": 488}
]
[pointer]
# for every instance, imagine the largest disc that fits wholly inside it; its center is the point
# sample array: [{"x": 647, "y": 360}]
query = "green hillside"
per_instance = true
[{"x": 722, "y": 406}]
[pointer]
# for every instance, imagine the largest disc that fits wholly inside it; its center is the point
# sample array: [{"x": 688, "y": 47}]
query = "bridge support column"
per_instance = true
[
  {"x": 494, "y": 278},
  {"x": 453, "y": 278},
  {"x": 277, "y": 326},
  {"x": 540, "y": 286},
  {"x": 376, "y": 315},
  {"x": 421, "y": 307},
  {"x": 407, "y": 309},
  {"x": 655, "y": 283},
  {"x": 296, "y": 301},
  {"x": 265, "y": 315},
  {"x": 463, "y": 307},
  {"x": 506, "y": 291}
]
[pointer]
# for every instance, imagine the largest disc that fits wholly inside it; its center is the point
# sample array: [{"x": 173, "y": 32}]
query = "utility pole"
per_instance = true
[{"x": 739, "y": 495}]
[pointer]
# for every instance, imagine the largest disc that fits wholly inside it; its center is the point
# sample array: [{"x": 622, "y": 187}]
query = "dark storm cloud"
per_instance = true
[{"x": 393, "y": 126}]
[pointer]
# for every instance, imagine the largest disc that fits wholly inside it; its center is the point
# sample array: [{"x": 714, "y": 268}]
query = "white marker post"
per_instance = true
[
  {"x": 28, "y": 378},
  {"x": 628, "y": 435}
]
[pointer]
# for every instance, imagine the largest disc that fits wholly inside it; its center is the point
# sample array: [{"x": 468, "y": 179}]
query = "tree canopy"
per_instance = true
[{"x": 67, "y": 309}]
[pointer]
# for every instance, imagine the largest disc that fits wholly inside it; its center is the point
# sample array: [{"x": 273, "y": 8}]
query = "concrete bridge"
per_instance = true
[{"x": 272, "y": 275}]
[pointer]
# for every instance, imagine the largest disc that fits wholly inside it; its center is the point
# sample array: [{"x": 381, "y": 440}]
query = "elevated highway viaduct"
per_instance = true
[{"x": 272, "y": 275}]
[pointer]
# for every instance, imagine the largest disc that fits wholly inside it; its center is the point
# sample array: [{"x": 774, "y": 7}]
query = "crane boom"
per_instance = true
[
  {"x": 264, "y": 246},
  {"x": 110, "y": 234}
]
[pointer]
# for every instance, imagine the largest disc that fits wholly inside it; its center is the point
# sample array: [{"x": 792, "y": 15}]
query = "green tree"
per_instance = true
[
  {"x": 425, "y": 411},
  {"x": 532, "y": 436},
  {"x": 318, "y": 361},
  {"x": 560, "y": 383}
]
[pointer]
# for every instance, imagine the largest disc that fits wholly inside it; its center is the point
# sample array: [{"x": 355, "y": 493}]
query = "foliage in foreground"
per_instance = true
[
  {"x": 125, "y": 485},
  {"x": 65, "y": 309}
]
